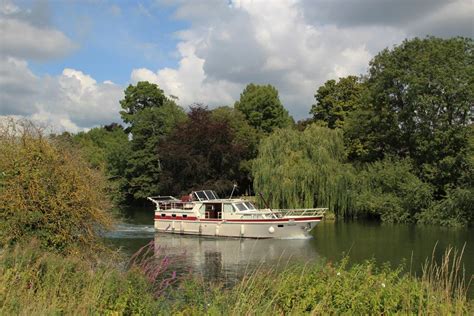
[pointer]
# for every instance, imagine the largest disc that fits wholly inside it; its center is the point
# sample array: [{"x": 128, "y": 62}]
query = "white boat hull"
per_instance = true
[{"x": 278, "y": 228}]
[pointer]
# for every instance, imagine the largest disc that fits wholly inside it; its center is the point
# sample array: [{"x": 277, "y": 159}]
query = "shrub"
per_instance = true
[
  {"x": 456, "y": 209},
  {"x": 391, "y": 190},
  {"x": 47, "y": 191}
]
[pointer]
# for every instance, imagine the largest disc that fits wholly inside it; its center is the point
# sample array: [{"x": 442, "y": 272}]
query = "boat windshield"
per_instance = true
[
  {"x": 250, "y": 206},
  {"x": 245, "y": 206},
  {"x": 241, "y": 206}
]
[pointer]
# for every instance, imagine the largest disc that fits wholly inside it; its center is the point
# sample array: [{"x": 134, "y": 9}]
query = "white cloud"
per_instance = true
[
  {"x": 188, "y": 82},
  {"x": 294, "y": 45},
  {"x": 70, "y": 101},
  {"x": 24, "y": 40},
  {"x": 229, "y": 46}
]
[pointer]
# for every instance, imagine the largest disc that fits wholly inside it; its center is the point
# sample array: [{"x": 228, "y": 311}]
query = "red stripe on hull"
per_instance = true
[{"x": 189, "y": 218}]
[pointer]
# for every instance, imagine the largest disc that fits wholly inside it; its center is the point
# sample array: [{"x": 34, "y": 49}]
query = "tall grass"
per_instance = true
[
  {"x": 447, "y": 276},
  {"x": 332, "y": 289},
  {"x": 35, "y": 282}
]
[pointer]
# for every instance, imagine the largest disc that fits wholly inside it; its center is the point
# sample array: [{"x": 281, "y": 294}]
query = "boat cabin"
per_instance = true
[{"x": 206, "y": 204}]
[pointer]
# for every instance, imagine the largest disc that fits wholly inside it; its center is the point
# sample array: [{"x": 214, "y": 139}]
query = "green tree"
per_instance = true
[
  {"x": 304, "y": 169},
  {"x": 106, "y": 148},
  {"x": 262, "y": 108},
  {"x": 335, "y": 99},
  {"x": 151, "y": 116},
  {"x": 137, "y": 98},
  {"x": 418, "y": 104}
]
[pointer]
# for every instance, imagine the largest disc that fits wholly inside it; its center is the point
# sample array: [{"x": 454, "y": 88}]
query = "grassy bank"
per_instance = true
[{"x": 36, "y": 282}]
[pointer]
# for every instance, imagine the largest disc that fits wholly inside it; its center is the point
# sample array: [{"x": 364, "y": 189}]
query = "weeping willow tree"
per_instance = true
[{"x": 304, "y": 169}]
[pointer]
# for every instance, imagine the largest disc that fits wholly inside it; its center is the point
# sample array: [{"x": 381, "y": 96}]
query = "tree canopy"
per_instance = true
[
  {"x": 151, "y": 116},
  {"x": 335, "y": 99},
  {"x": 262, "y": 108},
  {"x": 139, "y": 97},
  {"x": 418, "y": 104},
  {"x": 303, "y": 169},
  {"x": 206, "y": 151}
]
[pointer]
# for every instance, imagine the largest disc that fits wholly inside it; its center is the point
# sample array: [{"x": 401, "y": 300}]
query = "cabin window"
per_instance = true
[
  {"x": 250, "y": 206},
  {"x": 228, "y": 208},
  {"x": 241, "y": 206},
  {"x": 174, "y": 215},
  {"x": 185, "y": 215},
  {"x": 163, "y": 215},
  {"x": 280, "y": 225},
  {"x": 202, "y": 209}
]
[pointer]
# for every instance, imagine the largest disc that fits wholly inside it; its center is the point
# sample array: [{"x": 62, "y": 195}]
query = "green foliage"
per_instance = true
[
  {"x": 389, "y": 189},
  {"x": 334, "y": 100},
  {"x": 137, "y": 98},
  {"x": 107, "y": 149},
  {"x": 456, "y": 209},
  {"x": 363, "y": 289},
  {"x": 48, "y": 191},
  {"x": 33, "y": 282},
  {"x": 304, "y": 169},
  {"x": 205, "y": 151},
  {"x": 262, "y": 108},
  {"x": 245, "y": 136},
  {"x": 418, "y": 104},
  {"x": 151, "y": 116}
]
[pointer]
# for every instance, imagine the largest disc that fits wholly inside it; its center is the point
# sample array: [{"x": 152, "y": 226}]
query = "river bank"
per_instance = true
[{"x": 37, "y": 282}]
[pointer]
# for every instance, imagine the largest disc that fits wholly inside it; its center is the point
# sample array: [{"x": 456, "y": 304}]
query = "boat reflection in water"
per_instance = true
[{"x": 228, "y": 259}]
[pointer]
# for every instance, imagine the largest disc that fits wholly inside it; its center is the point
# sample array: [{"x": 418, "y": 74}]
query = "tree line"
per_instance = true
[{"x": 395, "y": 143}]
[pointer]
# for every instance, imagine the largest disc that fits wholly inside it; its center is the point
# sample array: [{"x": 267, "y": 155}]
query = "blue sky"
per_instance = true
[
  {"x": 114, "y": 38},
  {"x": 65, "y": 64}
]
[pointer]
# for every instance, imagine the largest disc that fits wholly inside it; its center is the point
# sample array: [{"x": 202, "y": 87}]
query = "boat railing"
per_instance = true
[
  {"x": 300, "y": 212},
  {"x": 170, "y": 202}
]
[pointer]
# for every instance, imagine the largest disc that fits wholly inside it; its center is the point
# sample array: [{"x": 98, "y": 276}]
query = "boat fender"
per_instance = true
[
  {"x": 271, "y": 230},
  {"x": 242, "y": 230},
  {"x": 217, "y": 230},
  {"x": 172, "y": 226}
]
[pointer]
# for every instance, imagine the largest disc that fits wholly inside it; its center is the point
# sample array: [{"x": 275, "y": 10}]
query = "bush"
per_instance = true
[
  {"x": 390, "y": 189},
  {"x": 47, "y": 191},
  {"x": 456, "y": 209}
]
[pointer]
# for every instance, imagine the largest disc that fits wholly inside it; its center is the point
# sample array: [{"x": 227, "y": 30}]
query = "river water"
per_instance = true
[{"x": 227, "y": 259}]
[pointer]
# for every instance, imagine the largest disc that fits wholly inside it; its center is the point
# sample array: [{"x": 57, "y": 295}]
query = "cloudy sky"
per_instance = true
[{"x": 66, "y": 63}]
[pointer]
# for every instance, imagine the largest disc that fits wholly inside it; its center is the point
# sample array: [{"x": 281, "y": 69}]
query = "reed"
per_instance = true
[{"x": 447, "y": 276}]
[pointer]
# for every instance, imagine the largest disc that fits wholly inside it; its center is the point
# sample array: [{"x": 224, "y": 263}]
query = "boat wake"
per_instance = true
[
  {"x": 124, "y": 230},
  {"x": 295, "y": 238}
]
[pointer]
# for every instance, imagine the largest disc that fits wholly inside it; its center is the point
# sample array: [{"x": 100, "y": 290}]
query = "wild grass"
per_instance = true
[
  {"x": 34, "y": 282},
  {"x": 332, "y": 289}
]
